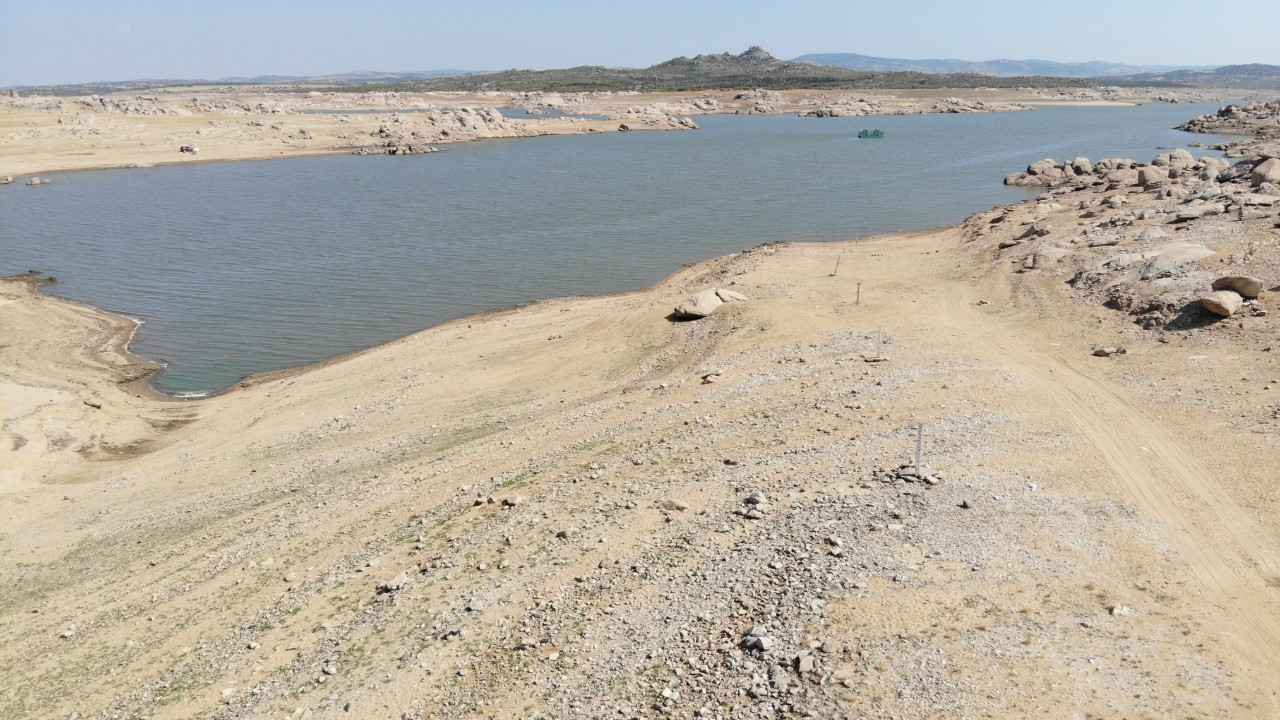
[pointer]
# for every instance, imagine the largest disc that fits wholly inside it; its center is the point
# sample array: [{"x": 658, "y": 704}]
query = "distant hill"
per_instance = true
[
  {"x": 997, "y": 68},
  {"x": 1247, "y": 77},
  {"x": 358, "y": 78},
  {"x": 751, "y": 69}
]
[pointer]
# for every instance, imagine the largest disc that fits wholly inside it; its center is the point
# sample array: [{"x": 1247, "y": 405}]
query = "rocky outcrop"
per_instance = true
[
  {"x": 1261, "y": 119},
  {"x": 128, "y": 106},
  {"x": 760, "y": 95},
  {"x": 1113, "y": 222},
  {"x": 413, "y": 133},
  {"x": 850, "y": 106}
]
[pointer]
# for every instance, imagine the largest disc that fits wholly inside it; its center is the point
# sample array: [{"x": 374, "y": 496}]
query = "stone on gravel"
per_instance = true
[
  {"x": 1223, "y": 302},
  {"x": 396, "y": 583},
  {"x": 1248, "y": 287}
]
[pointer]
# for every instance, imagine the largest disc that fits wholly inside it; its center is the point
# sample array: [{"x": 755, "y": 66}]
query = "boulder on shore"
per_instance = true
[
  {"x": 706, "y": 302},
  {"x": 700, "y": 305},
  {"x": 1223, "y": 302},
  {"x": 1244, "y": 285},
  {"x": 1267, "y": 171}
]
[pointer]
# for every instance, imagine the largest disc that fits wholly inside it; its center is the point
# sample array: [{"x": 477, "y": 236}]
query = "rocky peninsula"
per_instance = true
[
  {"x": 1010, "y": 468},
  {"x": 45, "y": 134}
]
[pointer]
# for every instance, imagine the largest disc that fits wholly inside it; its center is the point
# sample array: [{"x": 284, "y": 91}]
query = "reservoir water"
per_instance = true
[{"x": 238, "y": 268}]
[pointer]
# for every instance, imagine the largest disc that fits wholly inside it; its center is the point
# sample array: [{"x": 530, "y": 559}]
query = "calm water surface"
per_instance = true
[{"x": 244, "y": 267}]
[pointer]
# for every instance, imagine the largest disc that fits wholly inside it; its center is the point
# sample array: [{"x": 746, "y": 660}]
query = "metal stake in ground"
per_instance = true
[
  {"x": 833, "y": 272},
  {"x": 858, "y": 300},
  {"x": 919, "y": 447}
]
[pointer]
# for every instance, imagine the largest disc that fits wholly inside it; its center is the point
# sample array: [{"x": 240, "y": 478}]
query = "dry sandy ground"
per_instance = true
[
  {"x": 51, "y": 134},
  {"x": 548, "y": 512}
]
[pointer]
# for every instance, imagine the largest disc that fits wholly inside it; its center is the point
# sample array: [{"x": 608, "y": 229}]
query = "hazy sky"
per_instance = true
[{"x": 52, "y": 41}]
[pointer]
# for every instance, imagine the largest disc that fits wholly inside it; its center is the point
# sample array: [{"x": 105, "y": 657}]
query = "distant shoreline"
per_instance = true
[{"x": 45, "y": 135}]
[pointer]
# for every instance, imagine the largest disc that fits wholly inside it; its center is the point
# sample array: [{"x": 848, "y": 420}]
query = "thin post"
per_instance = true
[
  {"x": 919, "y": 447},
  {"x": 833, "y": 272},
  {"x": 880, "y": 341},
  {"x": 858, "y": 300}
]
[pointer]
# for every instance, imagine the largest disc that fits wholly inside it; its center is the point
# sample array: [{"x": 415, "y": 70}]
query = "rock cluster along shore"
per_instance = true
[
  {"x": 1261, "y": 120},
  {"x": 860, "y": 106},
  {"x": 1144, "y": 237}
]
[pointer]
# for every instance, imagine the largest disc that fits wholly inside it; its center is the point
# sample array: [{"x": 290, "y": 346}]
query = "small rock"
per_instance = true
[{"x": 394, "y": 584}]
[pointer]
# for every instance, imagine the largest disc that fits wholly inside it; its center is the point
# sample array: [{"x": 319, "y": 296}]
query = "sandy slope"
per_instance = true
[{"x": 545, "y": 511}]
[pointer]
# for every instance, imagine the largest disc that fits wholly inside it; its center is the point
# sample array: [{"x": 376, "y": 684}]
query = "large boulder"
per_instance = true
[
  {"x": 1223, "y": 302},
  {"x": 1244, "y": 285},
  {"x": 1152, "y": 176},
  {"x": 700, "y": 305},
  {"x": 706, "y": 302},
  {"x": 1267, "y": 171},
  {"x": 1082, "y": 166},
  {"x": 1043, "y": 167}
]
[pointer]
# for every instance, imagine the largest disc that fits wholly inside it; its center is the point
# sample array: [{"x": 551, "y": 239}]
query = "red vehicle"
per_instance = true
[{"x": 188, "y": 149}]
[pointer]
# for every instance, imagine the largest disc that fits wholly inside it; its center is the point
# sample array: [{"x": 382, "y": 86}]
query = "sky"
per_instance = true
[{"x": 60, "y": 42}]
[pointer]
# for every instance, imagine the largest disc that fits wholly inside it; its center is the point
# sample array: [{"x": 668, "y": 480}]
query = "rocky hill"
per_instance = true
[
  {"x": 1252, "y": 77},
  {"x": 754, "y": 68}
]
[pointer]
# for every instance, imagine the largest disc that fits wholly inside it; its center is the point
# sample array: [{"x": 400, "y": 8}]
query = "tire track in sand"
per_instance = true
[{"x": 1164, "y": 480}]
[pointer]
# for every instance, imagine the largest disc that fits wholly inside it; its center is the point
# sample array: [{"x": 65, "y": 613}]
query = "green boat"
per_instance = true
[{"x": 870, "y": 134}]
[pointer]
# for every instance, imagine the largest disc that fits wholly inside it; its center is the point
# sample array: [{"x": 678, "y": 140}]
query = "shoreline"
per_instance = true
[{"x": 122, "y": 131}]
